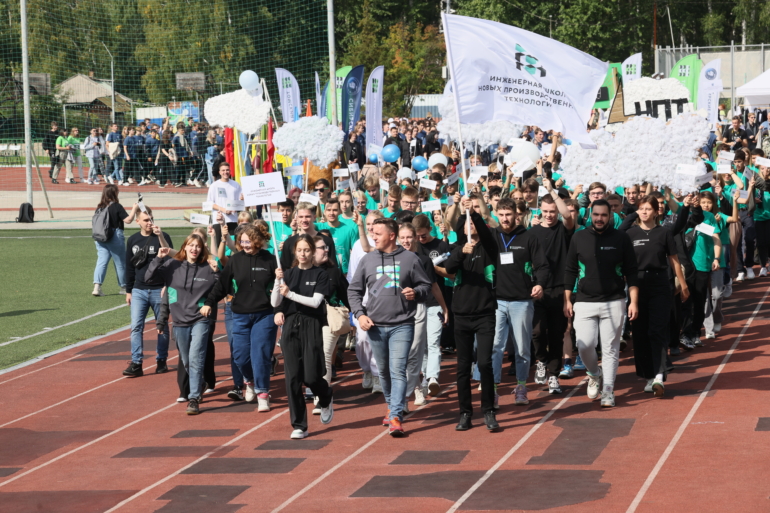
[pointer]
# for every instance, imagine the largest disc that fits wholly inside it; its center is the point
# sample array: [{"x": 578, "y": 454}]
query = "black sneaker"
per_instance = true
[
  {"x": 623, "y": 345},
  {"x": 193, "y": 408},
  {"x": 236, "y": 394},
  {"x": 491, "y": 421},
  {"x": 134, "y": 370},
  {"x": 674, "y": 351},
  {"x": 465, "y": 422},
  {"x": 162, "y": 368}
]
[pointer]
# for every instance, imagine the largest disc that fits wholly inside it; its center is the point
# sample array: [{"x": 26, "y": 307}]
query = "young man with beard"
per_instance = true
[
  {"x": 599, "y": 259},
  {"x": 549, "y": 324},
  {"x": 522, "y": 269}
]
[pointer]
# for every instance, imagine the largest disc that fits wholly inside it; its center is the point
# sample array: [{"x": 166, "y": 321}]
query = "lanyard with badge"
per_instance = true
[{"x": 506, "y": 257}]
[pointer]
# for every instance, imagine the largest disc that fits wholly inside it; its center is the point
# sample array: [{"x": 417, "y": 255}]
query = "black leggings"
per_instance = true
[
  {"x": 548, "y": 327},
  {"x": 651, "y": 328},
  {"x": 762, "y": 229},
  {"x": 695, "y": 307},
  {"x": 482, "y": 328}
]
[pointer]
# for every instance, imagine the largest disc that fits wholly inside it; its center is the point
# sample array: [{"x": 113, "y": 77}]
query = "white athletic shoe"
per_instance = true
[
  {"x": 190, "y": 182},
  {"x": 367, "y": 383},
  {"x": 553, "y": 385},
  {"x": 740, "y": 278},
  {"x": 717, "y": 327},
  {"x": 327, "y": 414},
  {"x": 376, "y": 387},
  {"x": 97, "y": 290},
  {"x": 197, "y": 183},
  {"x": 648, "y": 386},
  {"x": 608, "y": 399},
  {"x": 316, "y": 408},
  {"x": 181, "y": 399},
  {"x": 594, "y": 385},
  {"x": 89, "y": 182},
  {"x": 710, "y": 335},
  {"x": 763, "y": 272},
  {"x": 263, "y": 401},
  {"x": 110, "y": 180},
  {"x": 250, "y": 394},
  {"x": 434, "y": 389},
  {"x": 750, "y": 273},
  {"x": 419, "y": 396},
  {"x": 540, "y": 375},
  {"x": 298, "y": 434}
]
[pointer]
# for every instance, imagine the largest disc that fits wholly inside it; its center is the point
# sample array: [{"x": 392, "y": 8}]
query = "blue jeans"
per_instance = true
[
  {"x": 210, "y": 168},
  {"x": 191, "y": 342},
  {"x": 391, "y": 345},
  {"x": 253, "y": 345},
  {"x": 237, "y": 376},
  {"x": 515, "y": 316},
  {"x": 141, "y": 301},
  {"x": 95, "y": 167},
  {"x": 431, "y": 365},
  {"x": 117, "y": 174},
  {"x": 114, "y": 248}
]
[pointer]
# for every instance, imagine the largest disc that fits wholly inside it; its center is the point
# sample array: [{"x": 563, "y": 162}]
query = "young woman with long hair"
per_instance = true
[
  {"x": 115, "y": 247},
  {"x": 249, "y": 277},
  {"x": 189, "y": 278},
  {"x": 299, "y": 304}
]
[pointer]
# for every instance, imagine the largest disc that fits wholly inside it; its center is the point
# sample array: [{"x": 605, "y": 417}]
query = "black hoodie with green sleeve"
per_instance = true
[
  {"x": 250, "y": 279},
  {"x": 187, "y": 286}
]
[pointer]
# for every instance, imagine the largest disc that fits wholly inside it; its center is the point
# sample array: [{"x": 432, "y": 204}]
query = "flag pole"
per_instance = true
[{"x": 453, "y": 78}]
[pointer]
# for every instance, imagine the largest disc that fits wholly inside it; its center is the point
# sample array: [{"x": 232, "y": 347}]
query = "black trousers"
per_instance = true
[
  {"x": 675, "y": 318},
  {"x": 447, "y": 334},
  {"x": 651, "y": 329},
  {"x": 745, "y": 253},
  {"x": 548, "y": 327},
  {"x": 763, "y": 240},
  {"x": 303, "y": 362},
  {"x": 483, "y": 328},
  {"x": 209, "y": 376},
  {"x": 694, "y": 310}
]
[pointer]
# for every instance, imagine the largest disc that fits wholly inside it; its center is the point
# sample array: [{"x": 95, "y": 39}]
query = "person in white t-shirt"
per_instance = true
[{"x": 220, "y": 192}]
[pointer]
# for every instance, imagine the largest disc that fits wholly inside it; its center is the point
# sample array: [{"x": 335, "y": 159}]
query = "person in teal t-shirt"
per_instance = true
[
  {"x": 394, "y": 201},
  {"x": 343, "y": 234},
  {"x": 346, "y": 209},
  {"x": 75, "y": 141},
  {"x": 283, "y": 229}
]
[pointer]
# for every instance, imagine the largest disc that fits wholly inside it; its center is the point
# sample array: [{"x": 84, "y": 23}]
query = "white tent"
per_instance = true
[{"x": 757, "y": 92}]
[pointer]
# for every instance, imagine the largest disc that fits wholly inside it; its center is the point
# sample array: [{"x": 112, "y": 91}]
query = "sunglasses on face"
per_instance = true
[{"x": 322, "y": 248}]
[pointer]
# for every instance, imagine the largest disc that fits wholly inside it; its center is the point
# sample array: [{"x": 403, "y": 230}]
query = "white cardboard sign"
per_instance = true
[
  {"x": 384, "y": 185},
  {"x": 453, "y": 178},
  {"x": 727, "y": 155},
  {"x": 341, "y": 172},
  {"x": 706, "y": 229},
  {"x": 309, "y": 198},
  {"x": 762, "y": 161},
  {"x": 343, "y": 184},
  {"x": 262, "y": 189},
  {"x": 428, "y": 184},
  {"x": 200, "y": 219},
  {"x": 523, "y": 165},
  {"x": 293, "y": 171},
  {"x": 724, "y": 169},
  {"x": 208, "y": 206},
  {"x": 353, "y": 167},
  {"x": 430, "y": 206},
  {"x": 238, "y": 205},
  {"x": 482, "y": 170}
]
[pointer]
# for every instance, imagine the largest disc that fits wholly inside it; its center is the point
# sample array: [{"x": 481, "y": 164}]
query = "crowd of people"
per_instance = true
[{"x": 558, "y": 276}]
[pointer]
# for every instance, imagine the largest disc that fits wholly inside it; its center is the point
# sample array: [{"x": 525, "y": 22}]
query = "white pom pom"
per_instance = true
[
  {"x": 310, "y": 137},
  {"x": 240, "y": 109}
]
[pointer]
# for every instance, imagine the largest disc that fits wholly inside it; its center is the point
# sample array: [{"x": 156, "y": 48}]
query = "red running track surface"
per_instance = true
[{"x": 77, "y": 437}]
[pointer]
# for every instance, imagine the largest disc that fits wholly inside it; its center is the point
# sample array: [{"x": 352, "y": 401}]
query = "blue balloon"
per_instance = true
[
  {"x": 420, "y": 163},
  {"x": 249, "y": 80},
  {"x": 373, "y": 158},
  {"x": 391, "y": 153}
]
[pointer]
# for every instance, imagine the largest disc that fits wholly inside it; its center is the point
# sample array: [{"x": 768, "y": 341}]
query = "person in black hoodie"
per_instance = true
[
  {"x": 249, "y": 276},
  {"x": 599, "y": 259},
  {"x": 49, "y": 146},
  {"x": 473, "y": 264}
]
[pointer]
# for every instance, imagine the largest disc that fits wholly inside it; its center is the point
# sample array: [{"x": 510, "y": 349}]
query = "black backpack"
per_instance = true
[{"x": 26, "y": 213}]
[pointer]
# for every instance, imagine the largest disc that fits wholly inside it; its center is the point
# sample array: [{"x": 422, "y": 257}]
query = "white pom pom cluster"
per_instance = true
[
  {"x": 310, "y": 137},
  {"x": 643, "y": 149},
  {"x": 644, "y": 88},
  {"x": 240, "y": 109},
  {"x": 485, "y": 134}
]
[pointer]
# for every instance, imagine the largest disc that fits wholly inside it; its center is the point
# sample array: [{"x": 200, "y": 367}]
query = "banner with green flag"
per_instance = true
[
  {"x": 687, "y": 71},
  {"x": 607, "y": 90},
  {"x": 340, "y": 79}
]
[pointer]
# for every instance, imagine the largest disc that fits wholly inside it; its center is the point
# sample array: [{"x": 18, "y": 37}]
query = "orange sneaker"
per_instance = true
[
  {"x": 386, "y": 420},
  {"x": 395, "y": 428}
]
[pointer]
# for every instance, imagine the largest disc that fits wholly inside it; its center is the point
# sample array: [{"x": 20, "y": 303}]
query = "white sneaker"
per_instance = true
[
  {"x": 263, "y": 400},
  {"x": 97, "y": 290},
  {"x": 740, "y": 278},
  {"x": 763, "y": 272},
  {"x": 181, "y": 399},
  {"x": 717, "y": 327},
  {"x": 131, "y": 180},
  {"x": 89, "y": 182},
  {"x": 197, "y": 183},
  {"x": 110, "y": 180},
  {"x": 367, "y": 383},
  {"x": 376, "y": 387},
  {"x": 298, "y": 434},
  {"x": 419, "y": 396},
  {"x": 710, "y": 335},
  {"x": 434, "y": 389},
  {"x": 658, "y": 388},
  {"x": 648, "y": 386},
  {"x": 553, "y": 385},
  {"x": 327, "y": 414},
  {"x": 250, "y": 394},
  {"x": 208, "y": 391},
  {"x": 750, "y": 273},
  {"x": 190, "y": 182},
  {"x": 697, "y": 342},
  {"x": 540, "y": 375},
  {"x": 96, "y": 182},
  {"x": 316, "y": 408},
  {"x": 594, "y": 385},
  {"x": 608, "y": 399}
]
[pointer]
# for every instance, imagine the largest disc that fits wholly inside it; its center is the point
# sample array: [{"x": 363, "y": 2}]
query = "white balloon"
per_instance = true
[
  {"x": 249, "y": 80},
  {"x": 521, "y": 149},
  {"x": 437, "y": 158}
]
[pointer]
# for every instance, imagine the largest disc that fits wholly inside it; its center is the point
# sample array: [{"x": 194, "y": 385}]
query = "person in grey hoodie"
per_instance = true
[
  {"x": 189, "y": 278},
  {"x": 395, "y": 282}
]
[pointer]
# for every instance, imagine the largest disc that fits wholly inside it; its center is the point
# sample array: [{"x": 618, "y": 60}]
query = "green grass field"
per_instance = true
[{"x": 47, "y": 282}]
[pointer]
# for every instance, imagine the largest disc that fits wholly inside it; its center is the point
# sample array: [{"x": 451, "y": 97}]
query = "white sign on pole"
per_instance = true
[
  {"x": 430, "y": 206},
  {"x": 474, "y": 177},
  {"x": 524, "y": 164},
  {"x": 428, "y": 184},
  {"x": 762, "y": 161},
  {"x": 482, "y": 170},
  {"x": 705, "y": 229},
  {"x": 200, "y": 219},
  {"x": 262, "y": 189},
  {"x": 384, "y": 185},
  {"x": 208, "y": 206},
  {"x": 542, "y": 191},
  {"x": 237, "y": 205},
  {"x": 340, "y": 173},
  {"x": 343, "y": 184},
  {"x": 727, "y": 155},
  {"x": 724, "y": 169},
  {"x": 142, "y": 207},
  {"x": 293, "y": 171},
  {"x": 309, "y": 198},
  {"x": 453, "y": 178},
  {"x": 353, "y": 167}
]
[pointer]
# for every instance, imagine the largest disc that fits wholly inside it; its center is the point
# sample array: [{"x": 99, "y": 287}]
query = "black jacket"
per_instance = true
[
  {"x": 49, "y": 141},
  {"x": 250, "y": 279},
  {"x": 529, "y": 267}
]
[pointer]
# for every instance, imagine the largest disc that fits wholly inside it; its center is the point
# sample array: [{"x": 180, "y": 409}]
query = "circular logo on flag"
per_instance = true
[
  {"x": 711, "y": 74},
  {"x": 353, "y": 85}
]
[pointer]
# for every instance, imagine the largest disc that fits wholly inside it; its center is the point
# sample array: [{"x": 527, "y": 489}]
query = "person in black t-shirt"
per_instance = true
[
  {"x": 115, "y": 247},
  {"x": 299, "y": 308},
  {"x": 655, "y": 251},
  {"x": 735, "y": 136}
]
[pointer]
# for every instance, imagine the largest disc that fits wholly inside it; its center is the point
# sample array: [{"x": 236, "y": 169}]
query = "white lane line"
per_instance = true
[
  {"x": 207, "y": 455},
  {"x": 515, "y": 448},
  {"x": 359, "y": 451},
  {"x": 693, "y": 411},
  {"x": 74, "y": 397},
  {"x": 49, "y": 330}
]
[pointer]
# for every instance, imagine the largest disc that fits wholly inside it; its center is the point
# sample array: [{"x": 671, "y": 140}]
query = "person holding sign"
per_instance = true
[
  {"x": 220, "y": 192},
  {"x": 745, "y": 251}
]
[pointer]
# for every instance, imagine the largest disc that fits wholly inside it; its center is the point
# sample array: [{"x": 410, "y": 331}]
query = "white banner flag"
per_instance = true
[
  {"x": 632, "y": 68},
  {"x": 374, "y": 106},
  {"x": 709, "y": 88},
  {"x": 288, "y": 92},
  {"x": 504, "y": 73}
]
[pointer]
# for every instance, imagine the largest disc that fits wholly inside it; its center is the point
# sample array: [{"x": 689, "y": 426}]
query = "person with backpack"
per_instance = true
[{"x": 107, "y": 231}]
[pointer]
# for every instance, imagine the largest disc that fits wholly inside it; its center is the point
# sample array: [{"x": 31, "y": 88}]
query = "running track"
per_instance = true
[{"x": 76, "y": 437}]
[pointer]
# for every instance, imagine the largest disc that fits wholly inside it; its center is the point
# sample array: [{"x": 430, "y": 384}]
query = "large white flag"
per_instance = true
[
  {"x": 506, "y": 73},
  {"x": 374, "y": 107},
  {"x": 288, "y": 92},
  {"x": 632, "y": 68},
  {"x": 709, "y": 88}
]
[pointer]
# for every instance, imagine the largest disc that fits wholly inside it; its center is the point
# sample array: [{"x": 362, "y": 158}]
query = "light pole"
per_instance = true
[
  {"x": 332, "y": 58},
  {"x": 112, "y": 80},
  {"x": 27, "y": 112}
]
